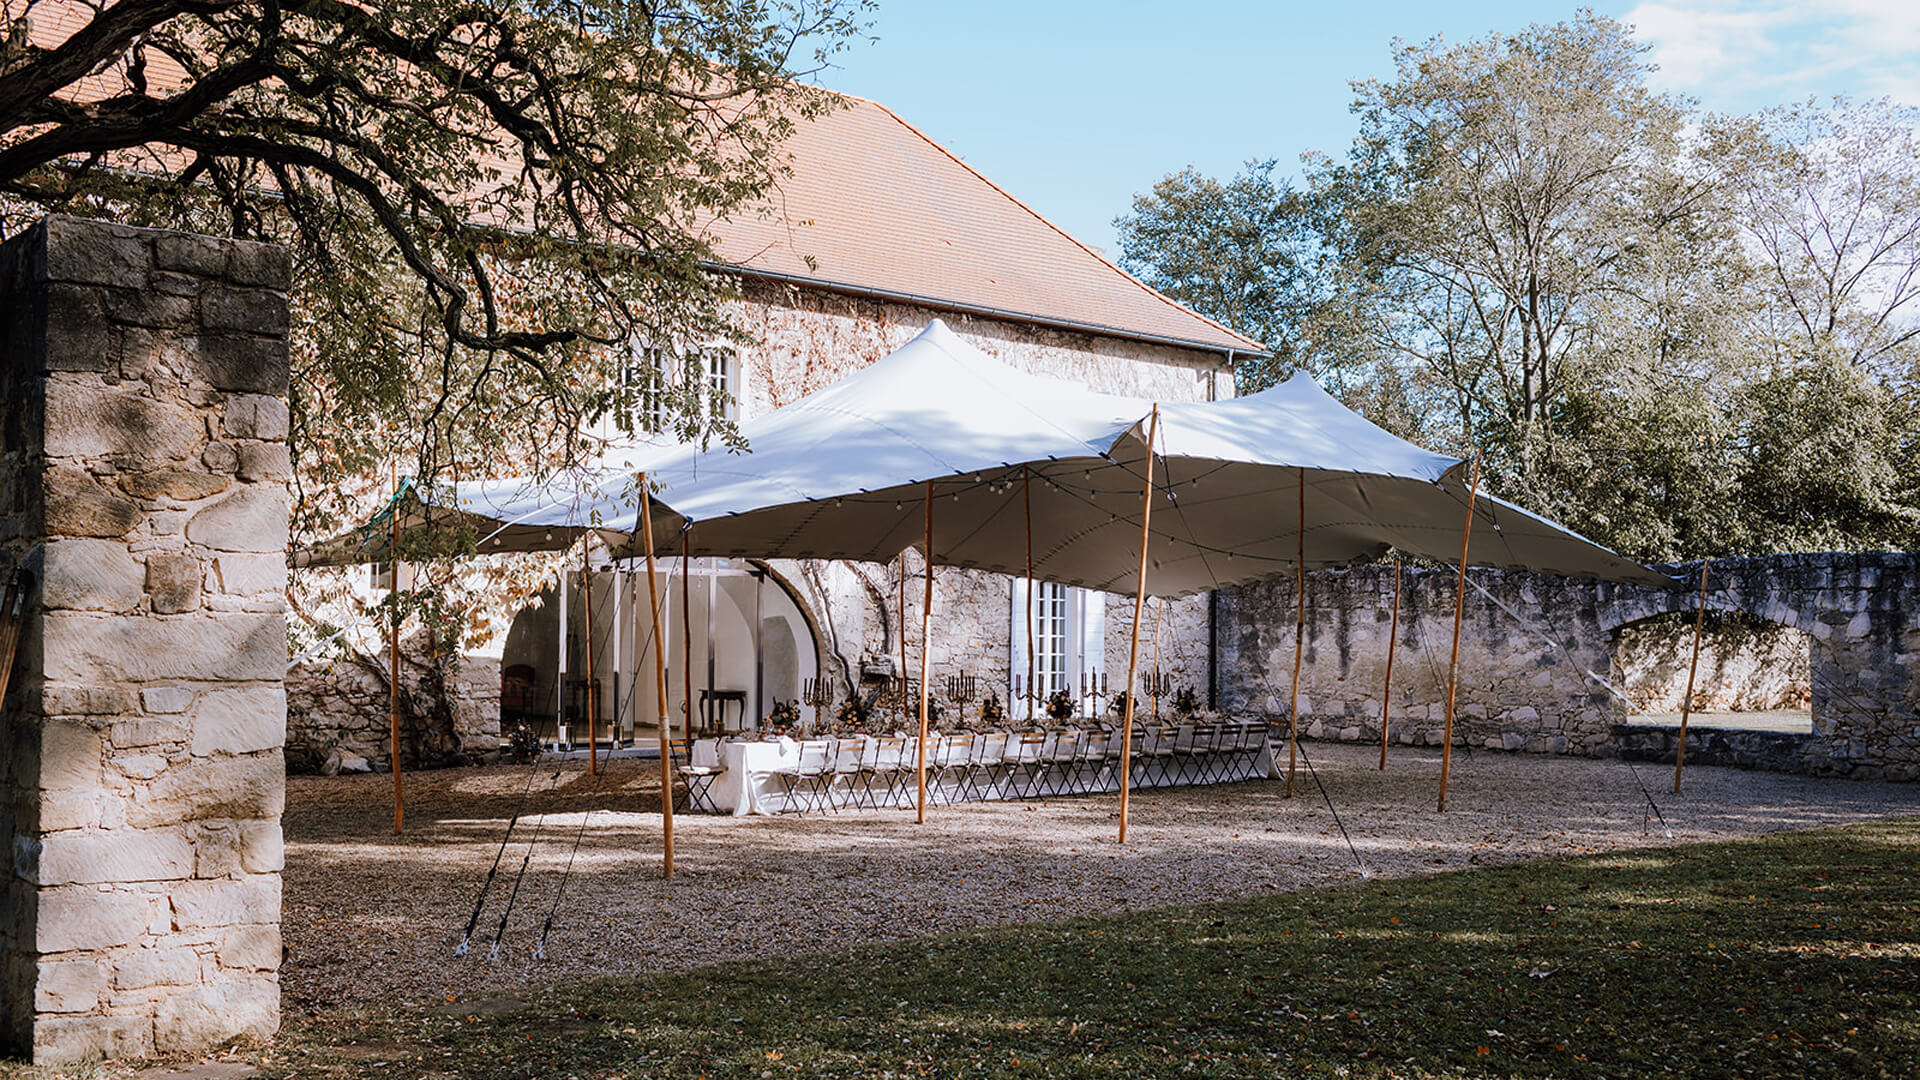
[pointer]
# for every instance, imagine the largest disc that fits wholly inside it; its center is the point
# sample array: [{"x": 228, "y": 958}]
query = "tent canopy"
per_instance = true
[{"x": 844, "y": 474}]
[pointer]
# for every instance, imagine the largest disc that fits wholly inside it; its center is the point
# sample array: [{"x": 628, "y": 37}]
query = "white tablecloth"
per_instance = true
[
  {"x": 751, "y": 783},
  {"x": 748, "y": 786}
]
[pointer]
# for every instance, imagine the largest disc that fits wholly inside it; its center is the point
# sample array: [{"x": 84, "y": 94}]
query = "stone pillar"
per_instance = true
[{"x": 144, "y": 477}]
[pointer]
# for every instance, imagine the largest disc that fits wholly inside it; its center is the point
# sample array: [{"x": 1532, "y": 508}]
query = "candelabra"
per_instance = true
[
  {"x": 819, "y": 694},
  {"x": 1093, "y": 686},
  {"x": 962, "y": 688},
  {"x": 1157, "y": 685}
]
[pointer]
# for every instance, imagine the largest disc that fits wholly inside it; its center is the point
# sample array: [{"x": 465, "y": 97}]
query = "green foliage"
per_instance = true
[
  {"x": 488, "y": 204},
  {"x": 1682, "y": 335},
  {"x": 1578, "y": 968}
]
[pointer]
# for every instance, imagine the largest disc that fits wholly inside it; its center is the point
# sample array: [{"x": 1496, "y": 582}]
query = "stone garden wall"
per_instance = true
[
  {"x": 1532, "y": 658},
  {"x": 342, "y": 705},
  {"x": 144, "y": 476}
]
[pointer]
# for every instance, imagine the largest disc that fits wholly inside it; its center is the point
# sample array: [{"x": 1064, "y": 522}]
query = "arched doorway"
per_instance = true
[{"x": 745, "y": 641}]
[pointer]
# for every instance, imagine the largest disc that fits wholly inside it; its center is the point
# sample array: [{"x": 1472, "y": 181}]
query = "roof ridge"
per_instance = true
[{"x": 1042, "y": 219}]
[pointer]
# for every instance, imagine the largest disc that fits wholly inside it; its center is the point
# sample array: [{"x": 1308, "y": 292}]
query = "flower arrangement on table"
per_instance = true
[
  {"x": 785, "y": 714},
  {"x": 1060, "y": 705},
  {"x": 852, "y": 715},
  {"x": 991, "y": 710},
  {"x": 1185, "y": 701},
  {"x": 1119, "y": 706}
]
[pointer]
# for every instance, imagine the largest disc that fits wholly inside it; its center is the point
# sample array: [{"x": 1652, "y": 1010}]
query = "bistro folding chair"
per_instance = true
[
  {"x": 1026, "y": 763},
  {"x": 1094, "y": 760},
  {"x": 987, "y": 762},
  {"x": 698, "y": 779},
  {"x": 805, "y": 778},
  {"x": 947, "y": 764},
  {"x": 848, "y": 766},
  {"x": 1063, "y": 760},
  {"x": 1153, "y": 756},
  {"x": 887, "y": 770}
]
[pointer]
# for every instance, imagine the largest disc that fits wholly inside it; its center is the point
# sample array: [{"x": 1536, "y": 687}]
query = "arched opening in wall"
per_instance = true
[
  {"x": 750, "y": 643},
  {"x": 1755, "y": 675}
]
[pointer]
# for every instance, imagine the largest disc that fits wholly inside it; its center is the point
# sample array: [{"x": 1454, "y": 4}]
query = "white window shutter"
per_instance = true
[{"x": 1017, "y": 616}]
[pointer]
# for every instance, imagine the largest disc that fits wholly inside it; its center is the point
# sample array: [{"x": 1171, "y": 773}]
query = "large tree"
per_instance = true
[
  {"x": 488, "y": 200},
  {"x": 1682, "y": 335}
]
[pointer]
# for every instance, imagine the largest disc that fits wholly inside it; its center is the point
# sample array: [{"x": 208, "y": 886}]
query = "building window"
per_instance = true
[
  {"x": 722, "y": 377},
  {"x": 698, "y": 383},
  {"x": 1069, "y": 635}
]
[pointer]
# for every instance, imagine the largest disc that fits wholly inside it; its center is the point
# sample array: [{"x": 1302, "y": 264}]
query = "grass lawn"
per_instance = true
[{"x": 1787, "y": 956}]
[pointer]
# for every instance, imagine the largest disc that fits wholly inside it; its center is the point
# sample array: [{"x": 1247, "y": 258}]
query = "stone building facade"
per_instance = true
[
  {"x": 144, "y": 472},
  {"x": 878, "y": 231}
]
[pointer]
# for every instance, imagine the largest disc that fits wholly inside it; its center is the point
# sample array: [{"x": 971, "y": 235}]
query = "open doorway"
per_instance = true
[
  {"x": 745, "y": 644},
  {"x": 1754, "y": 675}
]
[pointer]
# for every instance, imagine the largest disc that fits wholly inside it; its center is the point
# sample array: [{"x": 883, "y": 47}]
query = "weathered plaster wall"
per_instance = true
[
  {"x": 145, "y": 484},
  {"x": 1743, "y": 667},
  {"x": 1526, "y": 677}
]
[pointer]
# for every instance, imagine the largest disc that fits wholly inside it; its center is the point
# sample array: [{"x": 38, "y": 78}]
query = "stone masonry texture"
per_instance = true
[
  {"x": 143, "y": 778},
  {"x": 1535, "y": 650}
]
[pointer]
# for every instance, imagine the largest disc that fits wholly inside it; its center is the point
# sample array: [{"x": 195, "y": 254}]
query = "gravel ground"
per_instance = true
[{"x": 374, "y": 917}]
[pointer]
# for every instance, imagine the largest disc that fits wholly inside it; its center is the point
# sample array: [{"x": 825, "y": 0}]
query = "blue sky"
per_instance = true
[{"x": 1075, "y": 107}]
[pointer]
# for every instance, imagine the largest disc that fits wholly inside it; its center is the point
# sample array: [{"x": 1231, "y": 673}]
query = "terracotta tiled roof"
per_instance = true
[{"x": 875, "y": 206}]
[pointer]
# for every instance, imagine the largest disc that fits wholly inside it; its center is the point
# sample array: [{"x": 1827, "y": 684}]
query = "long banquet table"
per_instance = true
[{"x": 757, "y": 775}]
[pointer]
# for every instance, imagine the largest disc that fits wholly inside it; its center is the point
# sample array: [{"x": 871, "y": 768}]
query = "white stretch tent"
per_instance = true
[
  {"x": 516, "y": 514},
  {"x": 843, "y": 474}
]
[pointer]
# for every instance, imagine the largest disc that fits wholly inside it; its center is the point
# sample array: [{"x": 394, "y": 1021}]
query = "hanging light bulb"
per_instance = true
[{"x": 896, "y": 504}]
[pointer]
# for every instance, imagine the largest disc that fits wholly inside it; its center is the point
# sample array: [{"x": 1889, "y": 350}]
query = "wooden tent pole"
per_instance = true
[
  {"x": 1299, "y": 630},
  {"x": 1393, "y": 637},
  {"x": 660, "y": 685},
  {"x": 393, "y": 652},
  {"x": 926, "y": 639},
  {"x": 1459, "y": 612},
  {"x": 686, "y": 630},
  {"x": 903, "y": 635},
  {"x": 586, "y": 594},
  {"x": 1133, "y": 644},
  {"x": 1686, "y": 703},
  {"x": 1026, "y": 494}
]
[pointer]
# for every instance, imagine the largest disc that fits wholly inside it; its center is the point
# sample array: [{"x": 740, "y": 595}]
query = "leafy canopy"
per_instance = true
[{"x": 1682, "y": 334}]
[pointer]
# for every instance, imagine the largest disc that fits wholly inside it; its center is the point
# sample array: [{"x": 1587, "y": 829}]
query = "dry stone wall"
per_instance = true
[
  {"x": 145, "y": 479},
  {"x": 1535, "y": 649},
  {"x": 342, "y": 705}
]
